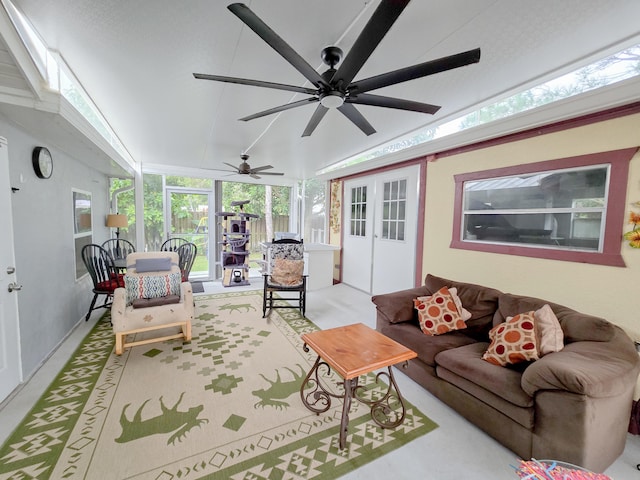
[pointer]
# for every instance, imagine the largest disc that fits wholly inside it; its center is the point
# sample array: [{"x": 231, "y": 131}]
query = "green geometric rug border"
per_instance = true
[
  {"x": 37, "y": 442},
  {"x": 36, "y": 445}
]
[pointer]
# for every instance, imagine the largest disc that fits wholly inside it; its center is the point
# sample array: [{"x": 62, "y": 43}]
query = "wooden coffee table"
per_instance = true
[{"x": 351, "y": 351}]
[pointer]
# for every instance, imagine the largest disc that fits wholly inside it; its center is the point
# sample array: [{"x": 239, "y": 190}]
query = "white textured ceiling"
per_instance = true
[{"x": 136, "y": 59}]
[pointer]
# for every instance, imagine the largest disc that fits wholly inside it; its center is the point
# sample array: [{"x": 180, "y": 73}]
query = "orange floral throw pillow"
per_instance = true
[
  {"x": 513, "y": 341},
  {"x": 438, "y": 313}
]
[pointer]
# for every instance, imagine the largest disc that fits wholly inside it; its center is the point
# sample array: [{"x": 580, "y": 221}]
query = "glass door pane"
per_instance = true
[{"x": 188, "y": 218}]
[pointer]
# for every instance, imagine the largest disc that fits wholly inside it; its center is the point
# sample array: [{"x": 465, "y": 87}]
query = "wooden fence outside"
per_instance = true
[{"x": 257, "y": 227}]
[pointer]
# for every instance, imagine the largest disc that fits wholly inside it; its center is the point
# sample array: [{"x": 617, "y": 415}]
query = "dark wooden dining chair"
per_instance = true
[
  {"x": 172, "y": 244},
  {"x": 186, "y": 254},
  {"x": 118, "y": 248},
  {"x": 104, "y": 275}
]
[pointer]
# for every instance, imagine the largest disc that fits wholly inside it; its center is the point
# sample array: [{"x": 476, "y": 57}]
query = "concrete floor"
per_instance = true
[{"x": 456, "y": 450}]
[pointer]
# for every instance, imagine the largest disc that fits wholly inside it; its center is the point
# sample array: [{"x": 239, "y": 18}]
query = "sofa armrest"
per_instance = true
[
  {"x": 398, "y": 306},
  {"x": 594, "y": 369}
]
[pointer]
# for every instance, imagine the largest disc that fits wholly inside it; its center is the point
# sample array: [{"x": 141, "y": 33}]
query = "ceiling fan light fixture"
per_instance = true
[
  {"x": 332, "y": 100},
  {"x": 335, "y": 86}
]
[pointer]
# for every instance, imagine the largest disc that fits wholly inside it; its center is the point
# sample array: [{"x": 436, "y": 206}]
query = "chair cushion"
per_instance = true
[
  {"x": 154, "y": 302},
  {"x": 159, "y": 264},
  {"x": 109, "y": 285},
  {"x": 289, "y": 251},
  {"x": 152, "y": 286},
  {"x": 287, "y": 272}
]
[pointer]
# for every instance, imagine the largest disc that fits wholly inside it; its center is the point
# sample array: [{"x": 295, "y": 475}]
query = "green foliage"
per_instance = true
[
  {"x": 183, "y": 206},
  {"x": 233, "y": 191}
]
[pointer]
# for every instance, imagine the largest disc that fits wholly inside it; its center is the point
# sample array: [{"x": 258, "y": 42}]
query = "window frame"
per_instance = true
[
  {"x": 360, "y": 206},
  {"x": 618, "y": 161},
  {"x": 82, "y": 230},
  {"x": 391, "y": 204}
]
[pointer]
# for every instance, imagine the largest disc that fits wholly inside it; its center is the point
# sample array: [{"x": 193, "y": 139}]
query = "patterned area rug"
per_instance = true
[{"x": 224, "y": 406}]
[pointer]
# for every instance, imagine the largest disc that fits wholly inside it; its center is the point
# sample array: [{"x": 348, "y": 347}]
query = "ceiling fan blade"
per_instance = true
[
  {"x": 271, "y": 173},
  {"x": 281, "y": 108},
  {"x": 253, "y": 175},
  {"x": 379, "y": 24},
  {"x": 349, "y": 111},
  {"x": 259, "y": 169},
  {"x": 235, "y": 167},
  {"x": 265, "y": 32},
  {"x": 318, "y": 115},
  {"x": 416, "y": 71},
  {"x": 255, "y": 83},
  {"x": 389, "y": 102}
]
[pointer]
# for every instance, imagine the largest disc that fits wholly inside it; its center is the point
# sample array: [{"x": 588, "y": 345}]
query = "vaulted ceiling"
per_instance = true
[{"x": 136, "y": 60}]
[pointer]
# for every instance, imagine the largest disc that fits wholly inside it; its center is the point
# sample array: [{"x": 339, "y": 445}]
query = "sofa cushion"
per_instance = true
[
  {"x": 513, "y": 341},
  {"x": 548, "y": 331},
  {"x": 397, "y": 307},
  {"x": 427, "y": 347},
  {"x": 577, "y": 327},
  {"x": 439, "y": 313},
  {"x": 466, "y": 362},
  {"x": 480, "y": 301},
  {"x": 464, "y": 313},
  {"x": 479, "y": 399}
]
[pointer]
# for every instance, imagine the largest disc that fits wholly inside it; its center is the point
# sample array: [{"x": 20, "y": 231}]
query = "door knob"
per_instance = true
[
  {"x": 11, "y": 270},
  {"x": 14, "y": 286}
]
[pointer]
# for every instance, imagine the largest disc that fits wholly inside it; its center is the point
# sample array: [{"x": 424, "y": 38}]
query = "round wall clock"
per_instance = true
[{"x": 42, "y": 162}]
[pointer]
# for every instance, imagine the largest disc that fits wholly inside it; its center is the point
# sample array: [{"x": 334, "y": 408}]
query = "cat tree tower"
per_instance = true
[{"x": 234, "y": 245}]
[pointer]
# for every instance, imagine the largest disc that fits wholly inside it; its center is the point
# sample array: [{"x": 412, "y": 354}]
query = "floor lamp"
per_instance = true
[{"x": 117, "y": 221}]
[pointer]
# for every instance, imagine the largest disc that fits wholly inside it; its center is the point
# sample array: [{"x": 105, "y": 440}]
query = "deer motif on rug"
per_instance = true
[
  {"x": 236, "y": 307},
  {"x": 279, "y": 390},
  {"x": 170, "y": 420}
]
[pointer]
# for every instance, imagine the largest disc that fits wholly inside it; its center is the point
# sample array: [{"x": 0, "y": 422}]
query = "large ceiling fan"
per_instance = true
[
  {"x": 335, "y": 88},
  {"x": 245, "y": 169}
]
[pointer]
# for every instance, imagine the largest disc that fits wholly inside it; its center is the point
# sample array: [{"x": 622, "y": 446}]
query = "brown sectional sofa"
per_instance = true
[{"x": 573, "y": 405}]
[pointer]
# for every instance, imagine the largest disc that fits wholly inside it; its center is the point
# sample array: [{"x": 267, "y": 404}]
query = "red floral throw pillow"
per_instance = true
[
  {"x": 439, "y": 313},
  {"x": 513, "y": 341}
]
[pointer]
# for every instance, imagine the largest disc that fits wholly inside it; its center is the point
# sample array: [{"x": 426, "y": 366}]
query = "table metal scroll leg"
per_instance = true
[
  {"x": 388, "y": 411},
  {"x": 317, "y": 398},
  {"x": 349, "y": 386}
]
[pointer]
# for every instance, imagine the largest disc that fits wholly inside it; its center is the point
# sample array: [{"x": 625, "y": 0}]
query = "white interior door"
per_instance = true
[
  {"x": 395, "y": 230},
  {"x": 10, "y": 365},
  {"x": 380, "y": 231},
  {"x": 358, "y": 228}
]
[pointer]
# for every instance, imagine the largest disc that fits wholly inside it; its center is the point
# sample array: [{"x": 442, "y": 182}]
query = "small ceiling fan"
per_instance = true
[
  {"x": 335, "y": 88},
  {"x": 245, "y": 169}
]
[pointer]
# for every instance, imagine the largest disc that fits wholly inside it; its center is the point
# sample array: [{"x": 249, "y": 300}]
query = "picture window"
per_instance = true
[{"x": 569, "y": 209}]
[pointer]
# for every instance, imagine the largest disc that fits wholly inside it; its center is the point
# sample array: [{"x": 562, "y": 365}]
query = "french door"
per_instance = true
[
  {"x": 10, "y": 364},
  {"x": 380, "y": 234},
  {"x": 187, "y": 216}
]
